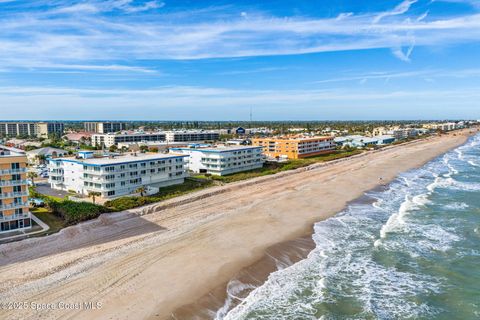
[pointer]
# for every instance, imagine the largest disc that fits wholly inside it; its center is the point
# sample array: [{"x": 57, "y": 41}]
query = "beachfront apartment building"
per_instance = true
[
  {"x": 104, "y": 127},
  {"x": 401, "y": 134},
  {"x": 449, "y": 126},
  {"x": 109, "y": 139},
  {"x": 221, "y": 160},
  {"x": 32, "y": 129},
  {"x": 14, "y": 212},
  {"x": 114, "y": 176},
  {"x": 295, "y": 147}
]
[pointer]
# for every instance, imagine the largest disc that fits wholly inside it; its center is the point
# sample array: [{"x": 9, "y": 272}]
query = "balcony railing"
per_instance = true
[
  {"x": 6, "y": 183},
  {"x": 12, "y": 171},
  {"x": 8, "y": 217},
  {"x": 7, "y": 195},
  {"x": 13, "y": 206}
]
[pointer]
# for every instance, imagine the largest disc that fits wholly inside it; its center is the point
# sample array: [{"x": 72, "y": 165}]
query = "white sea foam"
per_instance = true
[
  {"x": 397, "y": 220},
  {"x": 471, "y": 162},
  {"x": 457, "y": 206}
]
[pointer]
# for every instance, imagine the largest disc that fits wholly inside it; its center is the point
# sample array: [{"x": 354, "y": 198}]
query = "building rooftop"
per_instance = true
[
  {"x": 218, "y": 148},
  {"x": 297, "y": 138},
  {"x": 107, "y": 161},
  {"x": 46, "y": 151},
  {"x": 10, "y": 152}
]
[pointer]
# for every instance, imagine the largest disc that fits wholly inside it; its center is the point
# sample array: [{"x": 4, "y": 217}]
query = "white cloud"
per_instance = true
[
  {"x": 83, "y": 35},
  {"x": 402, "y": 8}
]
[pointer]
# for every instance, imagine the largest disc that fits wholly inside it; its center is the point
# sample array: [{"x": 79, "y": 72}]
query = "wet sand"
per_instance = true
[
  {"x": 225, "y": 297},
  {"x": 149, "y": 262}
]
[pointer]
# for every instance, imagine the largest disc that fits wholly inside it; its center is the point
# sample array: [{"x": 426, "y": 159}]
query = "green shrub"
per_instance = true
[
  {"x": 126, "y": 203},
  {"x": 74, "y": 212}
]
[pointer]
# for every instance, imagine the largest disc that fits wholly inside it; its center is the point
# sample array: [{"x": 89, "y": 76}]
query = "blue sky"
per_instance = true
[{"x": 214, "y": 60}]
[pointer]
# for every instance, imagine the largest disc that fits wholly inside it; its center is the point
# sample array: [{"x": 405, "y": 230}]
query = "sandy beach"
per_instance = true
[{"x": 150, "y": 262}]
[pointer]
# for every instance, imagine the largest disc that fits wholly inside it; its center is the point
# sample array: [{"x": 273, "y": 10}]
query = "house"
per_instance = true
[{"x": 39, "y": 156}]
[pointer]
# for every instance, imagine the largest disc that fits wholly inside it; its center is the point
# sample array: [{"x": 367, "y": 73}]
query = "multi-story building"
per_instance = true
[
  {"x": 445, "y": 126},
  {"x": 191, "y": 136},
  {"x": 37, "y": 129},
  {"x": 295, "y": 147},
  {"x": 104, "y": 127},
  {"x": 115, "y": 175},
  {"x": 401, "y": 134},
  {"x": 110, "y": 139},
  {"x": 45, "y": 129},
  {"x": 221, "y": 160},
  {"x": 14, "y": 213}
]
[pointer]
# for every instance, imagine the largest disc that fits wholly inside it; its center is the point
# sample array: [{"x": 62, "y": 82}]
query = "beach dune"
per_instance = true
[{"x": 132, "y": 265}]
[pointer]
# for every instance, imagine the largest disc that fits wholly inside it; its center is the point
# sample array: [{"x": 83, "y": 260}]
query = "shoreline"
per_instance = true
[
  {"x": 143, "y": 265},
  {"x": 276, "y": 257}
]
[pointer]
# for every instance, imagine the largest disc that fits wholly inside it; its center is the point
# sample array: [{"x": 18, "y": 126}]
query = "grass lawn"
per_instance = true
[
  {"x": 274, "y": 167},
  {"x": 55, "y": 223}
]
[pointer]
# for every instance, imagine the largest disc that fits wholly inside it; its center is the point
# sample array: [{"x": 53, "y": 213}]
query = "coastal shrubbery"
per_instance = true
[
  {"x": 125, "y": 203},
  {"x": 74, "y": 212}
]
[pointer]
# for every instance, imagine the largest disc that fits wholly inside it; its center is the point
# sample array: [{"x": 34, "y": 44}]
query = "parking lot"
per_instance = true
[{"x": 44, "y": 188}]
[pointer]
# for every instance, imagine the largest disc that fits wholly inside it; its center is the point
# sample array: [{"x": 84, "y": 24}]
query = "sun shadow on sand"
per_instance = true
[{"x": 107, "y": 228}]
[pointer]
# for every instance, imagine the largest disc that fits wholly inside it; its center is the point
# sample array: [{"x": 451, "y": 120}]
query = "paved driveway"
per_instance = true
[{"x": 44, "y": 188}]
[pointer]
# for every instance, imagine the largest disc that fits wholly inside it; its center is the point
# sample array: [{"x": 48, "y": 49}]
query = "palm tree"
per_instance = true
[
  {"x": 32, "y": 175},
  {"x": 93, "y": 195},
  {"x": 141, "y": 190}
]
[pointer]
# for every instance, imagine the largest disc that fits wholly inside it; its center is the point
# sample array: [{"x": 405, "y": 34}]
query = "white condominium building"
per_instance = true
[
  {"x": 222, "y": 160},
  {"x": 191, "y": 136},
  {"x": 110, "y": 139},
  {"x": 115, "y": 176}
]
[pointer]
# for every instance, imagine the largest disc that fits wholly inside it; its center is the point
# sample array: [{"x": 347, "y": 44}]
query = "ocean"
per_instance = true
[{"x": 409, "y": 250}]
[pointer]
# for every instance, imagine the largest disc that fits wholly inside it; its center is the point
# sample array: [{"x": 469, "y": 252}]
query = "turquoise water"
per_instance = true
[{"x": 412, "y": 251}]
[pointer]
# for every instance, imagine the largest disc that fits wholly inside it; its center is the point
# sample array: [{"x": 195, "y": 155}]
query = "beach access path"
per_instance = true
[{"x": 147, "y": 262}]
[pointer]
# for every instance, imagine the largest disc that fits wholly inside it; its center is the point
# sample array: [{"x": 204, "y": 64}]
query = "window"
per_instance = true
[{"x": 16, "y": 165}]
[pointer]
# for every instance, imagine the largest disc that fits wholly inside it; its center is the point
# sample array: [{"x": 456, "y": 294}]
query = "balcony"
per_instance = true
[
  {"x": 11, "y": 206},
  {"x": 56, "y": 172},
  {"x": 8, "y": 195},
  {"x": 12, "y": 171},
  {"x": 8, "y": 217},
  {"x": 8, "y": 183}
]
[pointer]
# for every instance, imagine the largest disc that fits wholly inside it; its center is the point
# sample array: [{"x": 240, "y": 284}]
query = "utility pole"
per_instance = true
[{"x": 251, "y": 117}]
